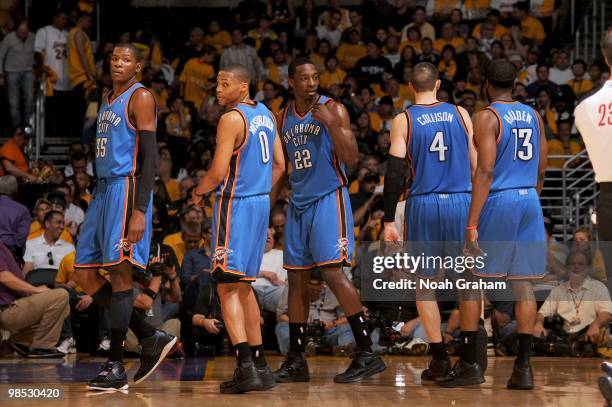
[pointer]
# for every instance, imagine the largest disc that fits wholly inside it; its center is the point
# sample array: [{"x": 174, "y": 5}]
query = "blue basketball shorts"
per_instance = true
[
  {"x": 435, "y": 227},
  {"x": 103, "y": 239},
  {"x": 240, "y": 228},
  {"x": 511, "y": 233},
  {"x": 320, "y": 234}
]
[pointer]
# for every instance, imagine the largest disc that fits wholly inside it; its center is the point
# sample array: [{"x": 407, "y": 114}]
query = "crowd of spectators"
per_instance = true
[{"x": 364, "y": 53}]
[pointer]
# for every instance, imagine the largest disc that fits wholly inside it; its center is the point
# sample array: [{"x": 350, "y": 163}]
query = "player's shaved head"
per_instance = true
[
  {"x": 132, "y": 48},
  {"x": 424, "y": 77},
  {"x": 240, "y": 72},
  {"x": 606, "y": 47},
  {"x": 501, "y": 74}
]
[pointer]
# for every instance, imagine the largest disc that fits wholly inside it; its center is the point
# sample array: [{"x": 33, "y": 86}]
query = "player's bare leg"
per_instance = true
[
  {"x": 252, "y": 320},
  {"x": 429, "y": 314},
  {"x": 365, "y": 363},
  {"x": 294, "y": 368},
  {"x": 246, "y": 377},
  {"x": 525, "y": 309}
]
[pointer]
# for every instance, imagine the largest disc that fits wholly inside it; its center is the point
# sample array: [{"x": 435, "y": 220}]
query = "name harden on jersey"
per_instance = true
[
  {"x": 105, "y": 119},
  {"x": 299, "y": 133},
  {"x": 517, "y": 115}
]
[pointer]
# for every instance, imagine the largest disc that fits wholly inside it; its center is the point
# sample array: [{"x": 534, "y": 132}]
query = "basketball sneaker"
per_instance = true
[
  {"x": 154, "y": 350},
  {"x": 462, "y": 374},
  {"x": 266, "y": 376},
  {"x": 246, "y": 378},
  {"x": 293, "y": 369},
  {"x": 522, "y": 378},
  {"x": 435, "y": 370},
  {"x": 364, "y": 364},
  {"x": 111, "y": 377}
]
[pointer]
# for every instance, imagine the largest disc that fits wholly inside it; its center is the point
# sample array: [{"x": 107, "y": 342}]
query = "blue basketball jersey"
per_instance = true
[
  {"x": 316, "y": 170},
  {"x": 437, "y": 149},
  {"x": 518, "y": 146},
  {"x": 250, "y": 171},
  {"x": 116, "y": 137}
]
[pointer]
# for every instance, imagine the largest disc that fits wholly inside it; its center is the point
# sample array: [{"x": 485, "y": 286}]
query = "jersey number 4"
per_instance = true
[
  {"x": 523, "y": 147},
  {"x": 438, "y": 146},
  {"x": 101, "y": 147}
]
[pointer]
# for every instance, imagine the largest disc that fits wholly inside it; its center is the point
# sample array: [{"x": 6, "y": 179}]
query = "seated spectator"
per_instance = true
[
  {"x": 350, "y": 51},
  {"x": 563, "y": 144},
  {"x": 413, "y": 39},
  {"x": 561, "y": 71},
  {"x": 447, "y": 65},
  {"x": 77, "y": 156},
  {"x": 391, "y": 51},
  {"x": 332, "y": 75},
  {"x": 324, "y": 308},
  {"x": 48, "y": 250},
  {"x": 195, "y": 262},
  {"x": 278, "y": 69},
  {"x": 13, "y": 161},
  {"x": 542, "y": 81},
  {"x": 544, "y": 108},
  {"x": 330, "y": 30},
  {"x": 73, "y": 213},
  {"x": 579, "y": 84},
  {"x": 386, "y": 110},
  {"x": 41, "y": 207},
  {"x": 207, "y": 319},
  {"x": 277, "y": 221},
  {"x": 165, "y": 175},
  {"x": 427, "y": 52},
  {"x": 270, "y": 97},
  {"x": 15, "y": 219},
  {"x": 263, "y": 32},
  {"x": 318, "y": 58},
  {"x": 583, "y": 303},
  {"x": 493, "y": 17},
  {"x": 188, "y": 238},
  {"x": 419, "y": 21},
  {"x": 35, "y": 315},
  {"x": 56, "y": 203},
  {"x": 327, "y": 15},
  {"x": 272, "y": 277},
  {"x": 533, "y": 30},
  {"x": 196, "y": 78},
  {"x": 81, "y": 190},
  {"x": 365, "y": 33},
  {"x": 218, "y": 38},
  {"x": 449, "y": 38}
]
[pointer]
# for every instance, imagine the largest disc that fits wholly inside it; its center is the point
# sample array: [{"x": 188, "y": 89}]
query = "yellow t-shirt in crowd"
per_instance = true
[
  {"x": 76, "y": 71},
  {"x": 173, "y": 189},
  {"x": 581, "y": 87},
  {"x": 220, "y": 41},
  {"x": 555, "y": 147},
  {"x": 499, "y": 31},
  {"x": 533, "y": 29},
  {"x": 259, "y": 37},
  {"x": 332, "y": 78},
  {"x": 66, "y": 271},
  {"x": 457, "y": 42},
  {"x": 196, "y": 76},
  {"x": 349, "y": 54}
]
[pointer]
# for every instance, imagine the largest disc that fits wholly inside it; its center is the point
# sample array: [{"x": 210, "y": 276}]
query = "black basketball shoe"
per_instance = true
[
  {"x": 521, "y": 379},
  {"x": 437, "y": 369},
  {"x": 462, "y": 374},
  {"x": 293, "y": 369},
  {"x": 245, "y": 379},
  {"x": 154, "y": 350},
  {"x": 364, "y": 364},
  {"x": 266, "y": 376},
  {"x": 111, "y": 377}
]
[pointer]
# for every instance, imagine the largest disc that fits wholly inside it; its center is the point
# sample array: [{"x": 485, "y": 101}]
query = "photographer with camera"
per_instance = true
[
  {"x": 582, "y": 303},
  {"x": 208, "y": 327},
  {"x": 327, "y": 324}
]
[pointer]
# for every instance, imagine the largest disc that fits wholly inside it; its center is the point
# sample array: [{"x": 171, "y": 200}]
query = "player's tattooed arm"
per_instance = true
[
  {"x": 142, "y": 114},
  {"x": 543, "y": 159},
  {"x": 395, "y": 173},
  {"x": 335, "y": 117},
  {"x": 486, "y": 127},
  {"x": 471, "y": 149},
  {"x": 230, "y": 134}
]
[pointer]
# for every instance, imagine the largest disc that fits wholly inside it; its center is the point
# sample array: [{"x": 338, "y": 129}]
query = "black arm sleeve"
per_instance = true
[
  {"x": 149, "y": 159},
  {"x": 393, "y": 182}
]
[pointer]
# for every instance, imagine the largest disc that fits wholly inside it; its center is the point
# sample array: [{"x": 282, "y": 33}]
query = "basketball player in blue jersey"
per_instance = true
[
  {"x": 248, "y": 160},
  {"x": 116, "y": 232},
  {"x": 436, "y": 138},
  {"x": 505, "y": 209},
  {"x": 318, "y": 142}
]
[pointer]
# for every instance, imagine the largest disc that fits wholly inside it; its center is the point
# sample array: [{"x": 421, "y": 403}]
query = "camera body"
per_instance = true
[{"x": 314, "y": 337}]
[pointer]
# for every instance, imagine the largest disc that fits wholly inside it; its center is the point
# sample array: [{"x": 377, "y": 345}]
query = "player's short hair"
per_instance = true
[
  {"x": 299, "y": 61},
  {"x": 240, "y": 71},
  {"x": 191, "y": 228},
  {"x": 606, "y": 46},
  {"x": 501, "y": 74},
  {"x": 424, "y": 77},
  {"x": 132, "y": 48},
  {"x": 49, "y": 215}
]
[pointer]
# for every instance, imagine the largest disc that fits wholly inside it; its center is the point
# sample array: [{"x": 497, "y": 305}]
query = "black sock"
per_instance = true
[
  {"x": 359, "y": 326},
  {"x": 257, "y": 352},
  {"x": 525, "y": 342},
  {"x": 139, "y": 326},
  {"x": 116, "y": 345},
  {"x": 297, "y": 337},
  {"x": 243, "y": 353},
  {"x": 469, "y": 349},
  {"x": 122, "y": 303},
  {"x": 103, "y": 295},
  {"x": 438, "y": 350}
]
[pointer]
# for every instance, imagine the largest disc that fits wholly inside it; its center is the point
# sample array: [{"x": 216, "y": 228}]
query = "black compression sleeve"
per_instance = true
[
  {"x": 149, "y": 159},
  {"x": 393, "y": 182}
]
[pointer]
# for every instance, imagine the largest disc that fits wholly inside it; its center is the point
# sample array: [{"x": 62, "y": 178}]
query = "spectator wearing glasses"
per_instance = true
[{"x": 48, "y": 250}]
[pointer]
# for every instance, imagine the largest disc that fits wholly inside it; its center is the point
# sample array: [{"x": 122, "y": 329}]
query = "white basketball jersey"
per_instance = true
[
  {"x": 54, "y": 44},
  {"x": 594, "y": 121}
]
